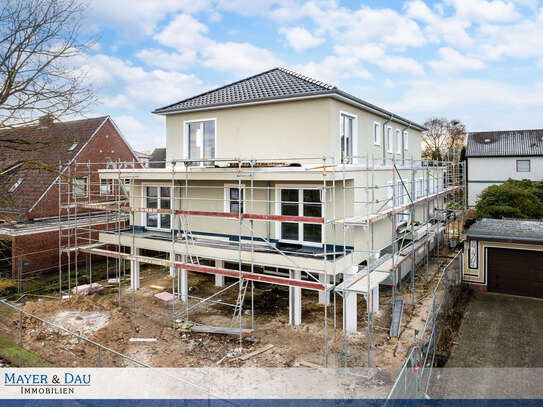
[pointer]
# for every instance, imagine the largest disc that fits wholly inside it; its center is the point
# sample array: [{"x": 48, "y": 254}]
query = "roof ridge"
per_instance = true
[{"x": 307, "y": 78}]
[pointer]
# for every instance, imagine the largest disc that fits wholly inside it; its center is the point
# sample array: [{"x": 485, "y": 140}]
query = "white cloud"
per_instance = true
[
  {"x": 451, "y": 30},
  {"x": 172, "y": 61},
  {"x": 333, "y": 69},
  {"x": 468, "y": 95},
  {"x": 374, "y": 54},
  {"x": 482, "y": 10},
  {"x": 519, "y": 40},
  {"x": 452, "y": 60},
  {"x": 140, "y": 16},
  {"x": 240, "y": 58},
  {"x": 121, "y": 85},
  {"x": 389, "y": 84},
  {"x": 184, "y": 32},
  {"x": 300, "y": 39}
]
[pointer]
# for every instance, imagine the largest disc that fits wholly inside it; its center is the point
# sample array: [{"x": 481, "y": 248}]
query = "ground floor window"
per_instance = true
[
  {"x": 300, "y": 202},
  {"x": 233, "y": 199},
  {"x": 157, "y": 197}
]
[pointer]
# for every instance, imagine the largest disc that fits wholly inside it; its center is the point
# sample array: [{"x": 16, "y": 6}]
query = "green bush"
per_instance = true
[{"x": 513, "y": 199}]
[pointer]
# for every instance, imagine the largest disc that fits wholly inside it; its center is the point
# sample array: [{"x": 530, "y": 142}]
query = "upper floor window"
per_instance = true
[
  {"x": 523, "y": 165},
  {"x": 398, "y": 141},
  {"x": 376, "y": 134},
  {"x": 106, "y": 187},
  {"x": 405, "y": 139},
  {"x": 347, "y": 130},
  {"x": 200, "y": 139},
  {"x": 80, "y": 186},
  {"x": 390, "y": 147},
  {"x": 157, "y": 198},
  {"x": 300, "y": 202}
]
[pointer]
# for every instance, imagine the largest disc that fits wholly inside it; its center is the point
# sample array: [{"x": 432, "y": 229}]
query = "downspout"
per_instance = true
[{"x": 385, "y": 139}]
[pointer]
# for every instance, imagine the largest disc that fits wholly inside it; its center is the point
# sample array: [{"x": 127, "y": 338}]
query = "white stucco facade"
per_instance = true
[{"x": 486, "y": 171}]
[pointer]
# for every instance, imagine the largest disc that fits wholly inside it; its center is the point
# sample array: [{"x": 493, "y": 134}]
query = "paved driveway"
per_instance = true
[{"x": 499, "y": 335}]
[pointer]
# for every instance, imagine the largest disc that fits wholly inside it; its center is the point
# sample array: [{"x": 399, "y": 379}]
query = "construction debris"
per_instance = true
[
  {"x": 220, "y": 330},
  {"x": 87, "y": 289},
  {"x": 165, "y": 296},
  {"x": 157, "y": 287},
  {"x": 142, "y": 339},
  {"x": 256, "y": 352},
  {"x": 309, "y": 364}
]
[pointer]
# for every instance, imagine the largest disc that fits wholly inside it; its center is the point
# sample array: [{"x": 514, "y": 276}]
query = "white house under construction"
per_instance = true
[{"x": 286, "y": 180}]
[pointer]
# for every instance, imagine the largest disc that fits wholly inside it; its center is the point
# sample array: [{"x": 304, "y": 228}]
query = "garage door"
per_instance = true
[{"x": 517, "y": 272}]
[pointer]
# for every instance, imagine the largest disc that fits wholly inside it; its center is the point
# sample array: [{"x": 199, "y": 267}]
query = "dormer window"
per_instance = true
[{"x": 16, "y": 185}]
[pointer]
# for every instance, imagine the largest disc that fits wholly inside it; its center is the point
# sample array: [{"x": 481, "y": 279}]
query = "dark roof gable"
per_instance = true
[
  {"x": 505, "y": 143},
  {"x": 275, "y": 84},
  {"x": 38, "y": 150}
]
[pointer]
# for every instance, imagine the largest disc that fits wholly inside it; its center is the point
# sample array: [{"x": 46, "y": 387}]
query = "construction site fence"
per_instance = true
[
  {"x": 414, "y": 378},
  {"x": 28, "y": 340}
]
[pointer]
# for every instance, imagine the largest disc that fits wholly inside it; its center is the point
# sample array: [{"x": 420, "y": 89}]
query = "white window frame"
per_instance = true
[
  {"x": 390, "y": 140},
  {"x": 144, "y": 205},
  {"x": 405, "y": 140},
  {"x": 186, "y": 152},
  {"x": 529, "y": 165},
  {"x": 354, "y": 141},
  {"x": 85, "y": 184},
  {"x": 300, "y": 189},
  {"x": 398, "y": 141},
  {"x": 109, "y": 185},
  {"x": 377, "y": 133},
  {"x": 227, "y": 188},
  {"x": 420, "y": 188}
]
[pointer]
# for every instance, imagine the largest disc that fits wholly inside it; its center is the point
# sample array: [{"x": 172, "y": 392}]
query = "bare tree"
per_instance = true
[
  {"x": 443, "y": 139},
  {"x": 38, "y": 41}
]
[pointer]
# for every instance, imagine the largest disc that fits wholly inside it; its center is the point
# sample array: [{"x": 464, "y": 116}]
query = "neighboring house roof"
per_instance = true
[
  {"x": 509, "y": 229},
  {"x": 158, "y": 158},
  {"x": 32, "y": 159},
  {"x": 273, "y": 85},
  {"x": 505, "y": 143}
]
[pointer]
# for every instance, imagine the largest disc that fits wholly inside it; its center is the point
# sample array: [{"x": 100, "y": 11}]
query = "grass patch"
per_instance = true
[{"x": 10, "y": 351}]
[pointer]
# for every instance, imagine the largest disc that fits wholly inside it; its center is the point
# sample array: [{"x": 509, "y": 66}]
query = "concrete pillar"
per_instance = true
[
  {"x": 219, "y": 278},
  {"x": 134, "y": 270},
  {"x": 295, "y": 300},
  {"x": 324, "y": 296},
  {"x": 350, "y": 308},
  {"x": 374, "y": 299},
  {"x": 182, "y": 280}
]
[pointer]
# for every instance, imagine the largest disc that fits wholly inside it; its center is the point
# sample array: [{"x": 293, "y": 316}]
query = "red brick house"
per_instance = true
[{"x": 34, "y": 162}]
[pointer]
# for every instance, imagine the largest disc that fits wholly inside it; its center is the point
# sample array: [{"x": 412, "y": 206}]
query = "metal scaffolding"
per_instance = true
[{"x": 423, "y": 203}]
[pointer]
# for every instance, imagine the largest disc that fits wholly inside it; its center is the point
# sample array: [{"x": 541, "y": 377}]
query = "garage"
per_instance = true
[
  {"x": 505, "y": 256},
  {"x": 513, "y": 271}
]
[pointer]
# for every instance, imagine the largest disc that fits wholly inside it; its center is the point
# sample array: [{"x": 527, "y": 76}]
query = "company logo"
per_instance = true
[{"x": 47, "y": 384}]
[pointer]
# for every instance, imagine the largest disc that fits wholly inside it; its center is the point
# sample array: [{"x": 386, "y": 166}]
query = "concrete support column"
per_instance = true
[
  {"x": 219, "y": 278},
  {"x": 350, "y": 308},
  {"x": 182, "y": 280},
  {"x": 295, "y": 300},
  {"x": 374, "y": 299},
  {"x": 134, "y": 270},
  {"x": 324, "y": 296}
]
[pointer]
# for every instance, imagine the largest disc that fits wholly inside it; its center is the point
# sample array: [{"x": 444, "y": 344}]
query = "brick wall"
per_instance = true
[{"x": 106, "y": 144}]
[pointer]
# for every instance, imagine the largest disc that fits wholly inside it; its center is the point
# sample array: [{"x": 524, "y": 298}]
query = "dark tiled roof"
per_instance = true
[
  {"x": 507, "y": 229},
  {"x": 505, "y": 143},
  {"x": 39, "y": 149},
  {"x": 277, "y": 83},
  {"x": 273, "y": 84},
  {"x": 158, "y": 158}
]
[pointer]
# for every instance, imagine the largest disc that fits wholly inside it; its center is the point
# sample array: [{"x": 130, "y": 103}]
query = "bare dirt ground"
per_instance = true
[{"x": 100, "y": 318}]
